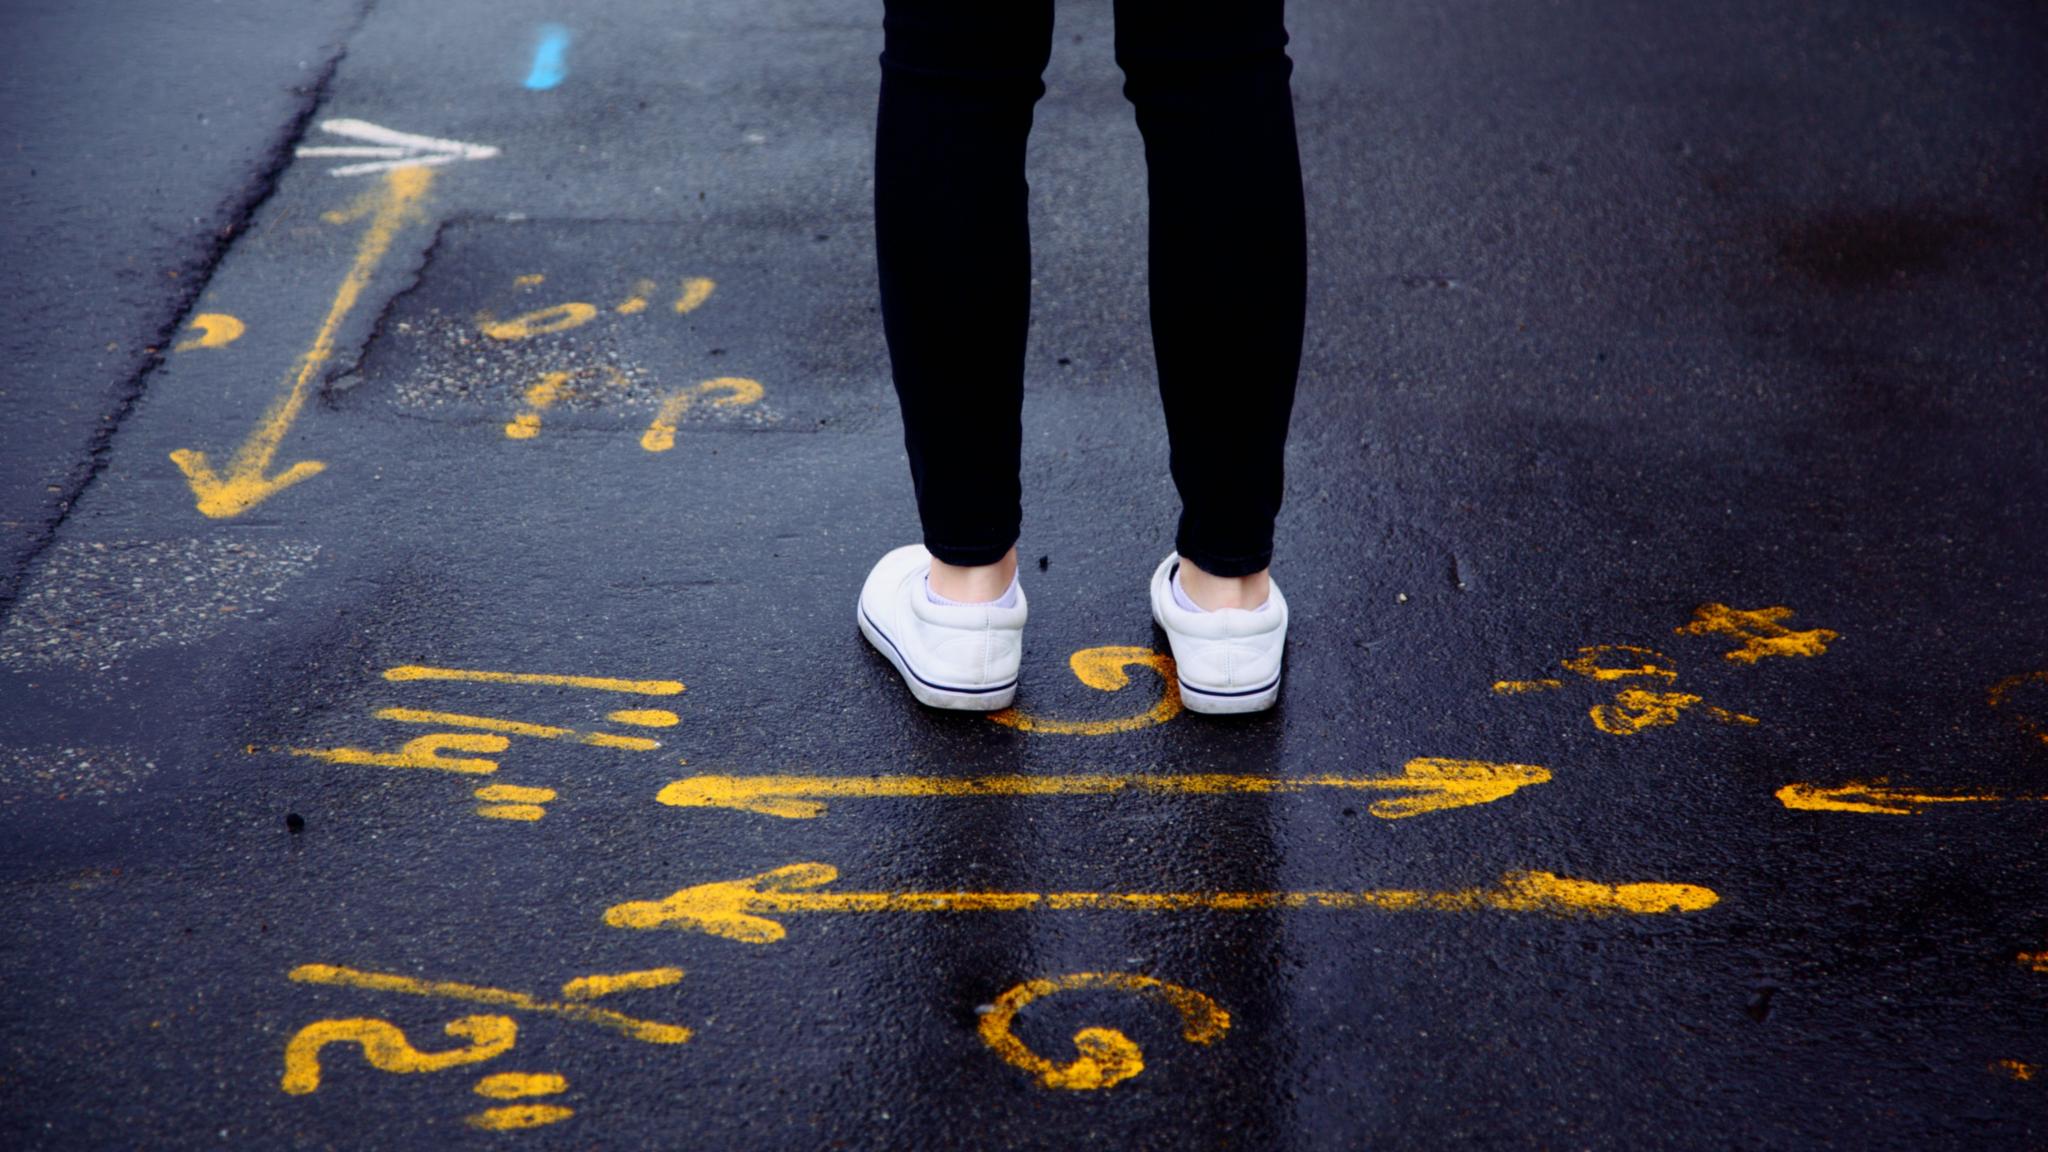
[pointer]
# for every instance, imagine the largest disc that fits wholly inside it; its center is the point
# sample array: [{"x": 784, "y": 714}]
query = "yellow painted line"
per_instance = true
[
  {"x": 409, "y": 672},
  {"x": 515, "y": 1117},
  {"x": 650, "y": 1031},
  {"x": 1106, "y": 669},
  {"x": 512, "y": 802},
  {"x": 247, "y": 481},
  {"x": 216, "y": 330},
  {"x": 518, "y": 1085},
  {"x": 518, "y": 728},
  {"x": 740, "y": 909},
  {"x": 1877, "y": 799},
  {"x": 1434, "y": 785},
  {"x": 1519, "y": 687},
  {"x": 643, "y": 717},
  {"x": 1107, "y": 1056},
  {"x": 593, "y": 987}
]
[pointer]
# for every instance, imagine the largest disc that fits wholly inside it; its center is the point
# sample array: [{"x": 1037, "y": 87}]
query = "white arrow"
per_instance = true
[{"x": 391, "y": 149}]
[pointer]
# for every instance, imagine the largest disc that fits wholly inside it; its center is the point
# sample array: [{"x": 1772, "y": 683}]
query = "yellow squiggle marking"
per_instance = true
[
  {"x": 1105, "y": 670},
  {"x": 695, "y": 291},
  {"x": 422, "y": 752},
  {"x": 513, "y": 1117},
  {"x": 518, "y": 1085},
  {"x": 518, "y": 728},
  {"x": 1649, "y": 662},
  {"x": 1762, "y": 632},
  {"x": 529, "y": 280},
  {"x": 1107, "y": 1056},
  {"x": 542, "y": 396},
  {"x": 2004, "y": 688},
  {"x": 2018, "y": 1070},
  {"x": 408, "y": 672},
  {"x": 736, "y": 909},
  {"x": 738, "y": 392},
  {"x": 1518, "y": 687},
  {"x": 637, "y": 302},
  {"x": 541, "y": 322},
  {"x": 649, "y": 1031},
  {"x": 216, "y": 330},
  {"x": 387, "y": 1050}
]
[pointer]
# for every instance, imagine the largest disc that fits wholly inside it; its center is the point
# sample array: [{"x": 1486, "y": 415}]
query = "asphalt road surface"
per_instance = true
[{"x": 431, "y": 712}]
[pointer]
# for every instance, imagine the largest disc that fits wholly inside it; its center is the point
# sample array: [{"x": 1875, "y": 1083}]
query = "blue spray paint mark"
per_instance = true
[{"x": 549, "y": 63}]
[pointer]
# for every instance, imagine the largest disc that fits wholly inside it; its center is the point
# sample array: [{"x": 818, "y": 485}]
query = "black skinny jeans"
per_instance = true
[{"x": 1228, "y": 267}]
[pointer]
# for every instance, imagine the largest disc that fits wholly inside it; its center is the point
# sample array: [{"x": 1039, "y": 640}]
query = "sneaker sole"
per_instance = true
[{"x": 929, "y": 694}]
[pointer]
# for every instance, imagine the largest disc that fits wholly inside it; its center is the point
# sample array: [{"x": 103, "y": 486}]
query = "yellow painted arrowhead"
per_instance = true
[
  {"x": 1443, "y": 784},
  {"x": 241, "y": 489},
  {"x": 725, "y": 908}
]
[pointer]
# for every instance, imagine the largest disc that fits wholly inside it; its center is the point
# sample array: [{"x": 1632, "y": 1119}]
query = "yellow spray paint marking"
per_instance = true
[
  {"x": 1762, "y": 632},
  {"x": 1105, "y": 670},
  {"x": 247, "y": 481},
  {"x": 2038, "y": 961},
  {"x": 1521, "y": 687},
  {"x": 593, "y": 987},
  {"x": 739, "y": 909},
  {"x": 513, "y": 1117},
  {"x": 526, "y": 425},
  {"x": 1596, "y": 663},
  {"x": 695, "y": 291},
  {"x": 1431, "y": 784},
  {"x": 2004, "y": 689},
  {"x": 423, "y": 752},
  {"x": 650, "y": 1031},
  {"x": 512, "y": 802},
  {"x": 216, "y": 330},
  {"x": 1634, "y": 710},
  {"x": 519, "y": 1085},
  {"x": 1873, "y": 798},
  {"x": 643, "y": 717},
  {"x": 540, "y": 322},
  {"x": 529, "y": 280},
  {"x": 2016, "y": 1069},
  {"x": 410, "y": 672},
  {"x": 736, "y": 391},
  {"x": 1107, "y": 1056},
  {"x": 637, "y": 302},
  {"x": 387, "y": 1050},
  {"x": 518, "y": 728}
]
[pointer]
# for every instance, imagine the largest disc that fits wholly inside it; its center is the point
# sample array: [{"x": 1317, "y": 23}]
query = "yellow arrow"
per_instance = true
[
  {"x": 1879, "y": 800},
  {"x": 247, "y": 481},
  {"x": 738, "y": 909},
  {"x": 1433, "y": 785}
]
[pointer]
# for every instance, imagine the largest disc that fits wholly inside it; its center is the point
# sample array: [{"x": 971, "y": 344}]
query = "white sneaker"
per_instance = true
[
  {"x": 1228, "y": 660},
  {"x": 963, "y": 657}
]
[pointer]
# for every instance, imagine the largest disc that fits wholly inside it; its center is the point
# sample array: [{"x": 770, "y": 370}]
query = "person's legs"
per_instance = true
[
  {"x": 1228, "y": 269},
  {"x": 959, "y": 79}
]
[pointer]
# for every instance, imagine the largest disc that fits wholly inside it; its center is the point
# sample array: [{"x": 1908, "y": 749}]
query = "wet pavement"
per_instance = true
[{"x": 431, "y": 711}]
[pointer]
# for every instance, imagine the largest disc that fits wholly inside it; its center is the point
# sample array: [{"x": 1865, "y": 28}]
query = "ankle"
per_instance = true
[
  {"x": 976, "y": 584},
  {"x": 1212, "y": 593}
]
